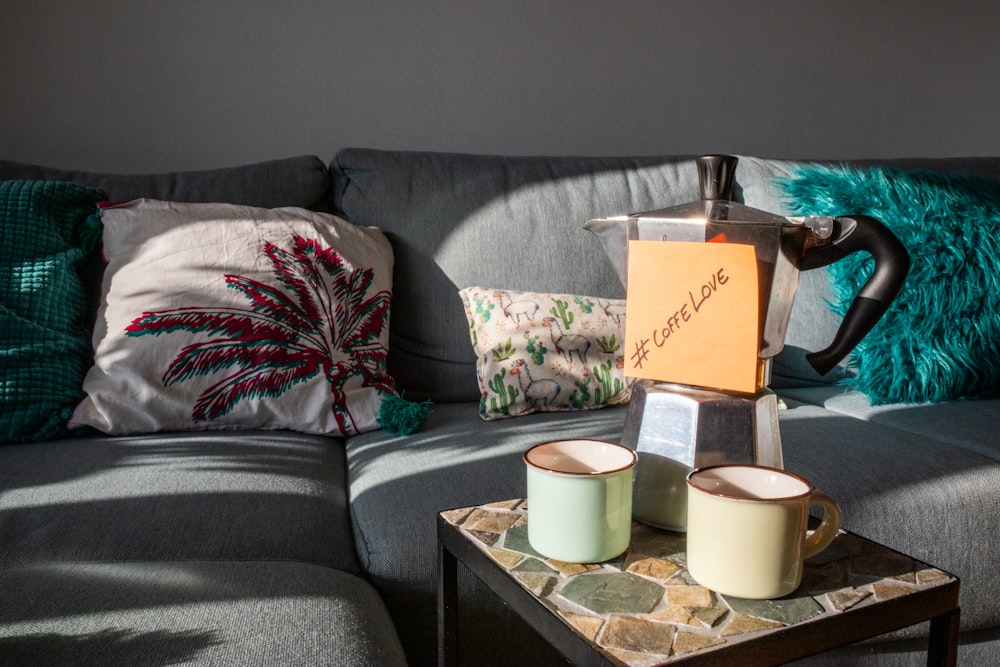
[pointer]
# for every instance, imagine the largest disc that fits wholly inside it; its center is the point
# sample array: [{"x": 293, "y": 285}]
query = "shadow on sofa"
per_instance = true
[{"x": 153, "y": 649}]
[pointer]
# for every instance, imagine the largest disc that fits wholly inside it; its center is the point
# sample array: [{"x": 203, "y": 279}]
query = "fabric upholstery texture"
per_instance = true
[
  {"x": 221, "y": 316},
  {"x": 301, "y": 181},
  {"x": 267, "y": 495},
  {"x": 516, "y": 222},
  {"x": 938, "y": 340},
  {"x": 298, "y": 181},
  {"x": 907, "y": 490},
  {"x": 47, "y": 229},
  {"x": 900, "y": 488},
  {"x": 395, "y": 515},
  {"x": 192, "y": 612},
  {"x": 968, "y": 425},
  {"x": 538, "y": 352},
  {"x": 904, "y": 476}
]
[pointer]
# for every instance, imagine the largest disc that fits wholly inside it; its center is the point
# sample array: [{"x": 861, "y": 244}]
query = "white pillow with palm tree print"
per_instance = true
[
  {"x": 217, "y": 316},
  {"x": 539, "y": 352}
]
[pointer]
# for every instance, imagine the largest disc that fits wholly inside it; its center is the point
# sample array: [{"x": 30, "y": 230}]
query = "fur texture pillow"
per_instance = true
[{"x": 938, "y": 341}]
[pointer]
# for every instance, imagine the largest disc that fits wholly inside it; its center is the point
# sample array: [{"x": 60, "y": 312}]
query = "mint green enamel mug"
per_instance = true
[{"x": 580, "y": 499}]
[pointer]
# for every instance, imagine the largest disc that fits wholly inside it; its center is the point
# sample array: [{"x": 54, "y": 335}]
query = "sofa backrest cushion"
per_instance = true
[
  {"x": 297, "y": 181},
  {"x": 513, "y": 223}
]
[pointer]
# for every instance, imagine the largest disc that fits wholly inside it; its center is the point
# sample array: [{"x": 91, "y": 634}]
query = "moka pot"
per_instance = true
[{"x": 675, "y": 427}]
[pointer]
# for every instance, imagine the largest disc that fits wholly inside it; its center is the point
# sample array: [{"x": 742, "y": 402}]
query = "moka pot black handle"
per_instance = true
[{"x": 852, "y": 233}]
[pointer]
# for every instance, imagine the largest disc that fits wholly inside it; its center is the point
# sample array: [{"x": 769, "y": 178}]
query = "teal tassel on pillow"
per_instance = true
[
  {"x": 938, "y": 340},
  {"x": 400, "y": 416}
]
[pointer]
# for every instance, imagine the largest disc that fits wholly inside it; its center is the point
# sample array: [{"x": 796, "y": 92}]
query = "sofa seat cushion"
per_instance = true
[
  {"x": 398, "y": 486},
  {"x": 271, "y": 495},
  {"x": 205, "y": 613},
  {"x": 909, "y": 491},
  {"x": 913, "y": 492},
  {"x": 969, "y": 424}
]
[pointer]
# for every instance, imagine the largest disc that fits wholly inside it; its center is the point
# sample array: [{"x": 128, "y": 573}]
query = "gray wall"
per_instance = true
[{"x": 156, "y": 85}]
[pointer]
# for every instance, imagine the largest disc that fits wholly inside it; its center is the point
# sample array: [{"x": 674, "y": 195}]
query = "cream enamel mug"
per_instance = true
[
  {"x": 746, "y": 529},
  {"x": 580, "y": 499}
]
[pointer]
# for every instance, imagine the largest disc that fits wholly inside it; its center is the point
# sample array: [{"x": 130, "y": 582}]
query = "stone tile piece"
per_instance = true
[
  {"x": 491, "y": 522},
  {"x": 686, "y": 642},
  {"x": 505, "y": 504},
  {"x": 675, "y": 615},
  {"x": 571, "y": 569},
  {"x": 787, "y": 610},
  {"x": 506, "y": 559},
  {"x": 489, "y": 539},
  {"x": 636, "y": 634},
  {"x": 710, "y": 615},
  {"x": 456, "y": 516},
  {"x": 682, "y": 578},
  {"x": 649, "y": 541},
  {"x": 885, "y": 564},
  {"x": 689, "y": 596},
  {"x": 846, "y": 598},
  {"x": 516, "y": 539},
  {"x": 588, "y": 626},
  {"x": 827, "y": 577},
  {"x": 931, "y": 576},
  {"x": 836, "y": 551},
  {"x": 536, "y": 576},
  {"x": 615, "y": 592},
  {"x": 741, "y": 624},
  {"x": 540, "y": 584},
  {"x": 533, "y": 565},
  {"x": 654, "y": 568},
  {"x": 889, "y": 591}
]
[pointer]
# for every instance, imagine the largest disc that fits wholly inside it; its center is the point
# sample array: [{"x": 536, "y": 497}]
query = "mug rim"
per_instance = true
[
  {"x": 583, "y": 473},
  {"x": 810, "y": 488}
]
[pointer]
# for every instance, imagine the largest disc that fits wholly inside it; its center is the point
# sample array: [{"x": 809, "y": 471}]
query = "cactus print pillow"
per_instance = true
[
  {"x": 217, "y": 316},
  {"x": 546, "y": 352}
]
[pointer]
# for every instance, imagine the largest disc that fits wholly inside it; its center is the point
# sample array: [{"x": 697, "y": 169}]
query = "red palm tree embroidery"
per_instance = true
[{"x": 319, "y": 320}]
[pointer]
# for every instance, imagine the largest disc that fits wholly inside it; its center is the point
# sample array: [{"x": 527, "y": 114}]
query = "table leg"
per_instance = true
[
  {"x": 447, "y": 608},
  {"x": 942, "y": 649}
]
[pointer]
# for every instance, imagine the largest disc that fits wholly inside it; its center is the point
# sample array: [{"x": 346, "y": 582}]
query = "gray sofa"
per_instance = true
[{"x": 266, "y": 548}]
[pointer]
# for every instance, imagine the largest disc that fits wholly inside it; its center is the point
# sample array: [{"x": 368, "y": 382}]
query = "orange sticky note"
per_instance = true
[{"x": 691, "y": 313}]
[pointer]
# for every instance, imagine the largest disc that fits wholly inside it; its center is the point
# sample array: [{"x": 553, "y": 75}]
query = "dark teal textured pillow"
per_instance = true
[
  {"x": 940, "y": 339},
  {"x": 46, "y": 229}
]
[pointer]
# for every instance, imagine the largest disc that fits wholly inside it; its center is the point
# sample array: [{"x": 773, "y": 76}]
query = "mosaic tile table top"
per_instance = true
[{"x": 642, "y": 608}]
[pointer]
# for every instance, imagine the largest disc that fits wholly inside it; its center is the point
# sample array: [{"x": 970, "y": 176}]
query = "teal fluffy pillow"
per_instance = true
[
  {"x": 940, "y": 339},
  {"x": 46, "y": 229}
]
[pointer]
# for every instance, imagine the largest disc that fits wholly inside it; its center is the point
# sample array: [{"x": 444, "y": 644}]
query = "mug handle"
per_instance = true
[{"x": 827, "y": 530}]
